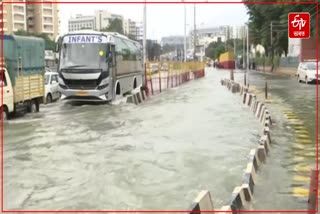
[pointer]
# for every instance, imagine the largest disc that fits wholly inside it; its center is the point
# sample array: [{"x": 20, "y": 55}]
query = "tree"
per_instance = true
[
  {"x": 168, "y": 48},
  {"x": 214, "y": 50},
  {"x": 261, "y": 16},
  {"x": 115, "y": 25},
  {"x": 153, "y": 50},
  {"x": 50, "y": 44}
]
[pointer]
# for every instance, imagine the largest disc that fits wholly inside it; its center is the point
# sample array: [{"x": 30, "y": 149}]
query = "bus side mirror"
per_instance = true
[{"x": 109, "y": 57}]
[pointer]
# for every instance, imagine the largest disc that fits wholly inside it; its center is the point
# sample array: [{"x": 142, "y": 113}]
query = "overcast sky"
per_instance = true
[{"x": 162, "y": 19}]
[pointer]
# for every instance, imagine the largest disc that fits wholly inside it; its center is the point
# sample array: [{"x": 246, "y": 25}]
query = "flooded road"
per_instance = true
[
  {"x": 284, "y": 181},
  {"x": 158, "y": 155}
]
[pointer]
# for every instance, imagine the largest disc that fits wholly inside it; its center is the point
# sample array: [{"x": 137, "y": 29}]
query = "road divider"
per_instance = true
[
  {"x": 161, "y": 76},
  {"x": 242, "y": 195}
]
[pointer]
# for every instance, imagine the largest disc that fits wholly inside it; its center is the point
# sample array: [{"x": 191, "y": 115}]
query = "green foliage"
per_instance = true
[
  {"x": 168, "y": 48},
  {"x": 50, "y": 44},
  {"x": 214, "y": 50},
  {"x": 153, "y": 50},
  {"x": 115, "y": 25},
  {"x": 262, "y": 15},
  {"x": 266, "y": 61}
]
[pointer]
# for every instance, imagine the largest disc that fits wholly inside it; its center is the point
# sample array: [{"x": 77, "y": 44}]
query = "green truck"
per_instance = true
[{"x": 22, "y": 78}]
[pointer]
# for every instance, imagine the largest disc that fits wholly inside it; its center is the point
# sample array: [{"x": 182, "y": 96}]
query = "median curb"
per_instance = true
[{"x": 242, "y": 195}]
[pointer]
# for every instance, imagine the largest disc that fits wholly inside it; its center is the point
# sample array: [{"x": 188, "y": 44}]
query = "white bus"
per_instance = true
[{"x": 98, "y": 66}]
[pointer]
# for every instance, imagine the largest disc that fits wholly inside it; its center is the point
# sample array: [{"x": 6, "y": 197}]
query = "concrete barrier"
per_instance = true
[
  {"x": 249, "y": 178},
  {"x": 266, "y": 131},
  {"x": 136, "y": 97},
  {"x": 243, "y": 194},
  {"x": 202, "y": 202},
  {"x": 238, "y": 200},
  {"x": 225, "y": 210},
  {"x": 265, "y": 142},
  {"x": 244, "y": 97},
  {"x": 254, "y": 159},
  {"x": 262, "y": 155},
  {"x": 259, "y": 110}
]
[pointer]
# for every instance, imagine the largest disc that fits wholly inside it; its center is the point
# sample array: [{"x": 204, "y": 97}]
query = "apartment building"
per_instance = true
[
  {"x": 104, "y": 17},
  {"x": 34, "y": 18},
  {"x": 204, "y": 36},
  {"x": 14, "y": 17},
  {"x": 81, "y": 22},
  {"x": 43, "y": 18}
]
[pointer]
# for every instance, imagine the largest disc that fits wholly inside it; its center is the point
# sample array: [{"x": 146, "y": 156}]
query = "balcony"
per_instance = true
[
  {"x": 19, "y": 21},
  {"x": 47, "y": 6},
  {"x": 48, "y": 24}
]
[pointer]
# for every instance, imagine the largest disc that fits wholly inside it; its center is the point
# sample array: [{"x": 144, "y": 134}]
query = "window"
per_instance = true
[
  {"x": 4, "y": 77},
  {"x": 54, "y": 79}
]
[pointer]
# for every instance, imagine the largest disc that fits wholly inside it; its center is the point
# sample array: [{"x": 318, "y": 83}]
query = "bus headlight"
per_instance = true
[{"x": 103, "y": 86}]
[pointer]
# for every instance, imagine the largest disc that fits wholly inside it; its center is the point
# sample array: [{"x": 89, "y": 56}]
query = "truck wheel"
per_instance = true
[
  {"x": 33, "y": 107},
  {"x": 49, "y": 98}
]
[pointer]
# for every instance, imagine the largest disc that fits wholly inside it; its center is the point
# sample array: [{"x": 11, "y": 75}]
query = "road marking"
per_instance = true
[
  {"x": 301, "y": 178},
  {"x": 301, "y": 153},
  {"x": 298, "y": 146},
  {"x": 300, "y": 192},
  {"x": 304, "y": 141},
  {"x": 301, "y": 131},
  {"x": 301, "y": 168},
  {"x": 303, "y": 136}
]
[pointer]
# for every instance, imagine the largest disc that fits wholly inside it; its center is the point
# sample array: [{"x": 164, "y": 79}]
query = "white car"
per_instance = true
[
  {"x": 307, "y": 72},
  {"x": 51, "y": 85}
]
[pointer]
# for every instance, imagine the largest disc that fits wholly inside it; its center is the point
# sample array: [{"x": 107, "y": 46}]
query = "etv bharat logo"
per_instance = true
[{"x": 299, "y": 25}]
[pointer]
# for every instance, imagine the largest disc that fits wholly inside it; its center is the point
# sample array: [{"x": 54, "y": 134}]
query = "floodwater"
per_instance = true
[
  {"x": 283, "y": 182},
  {"x": 157, "y": 155}
]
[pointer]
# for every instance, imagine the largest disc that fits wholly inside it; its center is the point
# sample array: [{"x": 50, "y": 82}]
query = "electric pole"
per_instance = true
[
  {"x": 248, "y": 52},
  {"x": 195, "y": 33},
  {"x": 271, "y": 42},
  {"x": 185, "y": 32},
  {"x": 144, "y": 39}
]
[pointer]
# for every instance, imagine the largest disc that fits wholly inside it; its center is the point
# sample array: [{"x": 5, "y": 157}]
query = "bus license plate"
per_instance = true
[{"x": 82, "y": 93}]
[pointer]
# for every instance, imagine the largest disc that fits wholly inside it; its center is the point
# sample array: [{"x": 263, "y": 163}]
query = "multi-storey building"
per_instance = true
[
  {"x": 34, "y": 18},
  {"x": 43, "y": 18},
  {"x": 104, "y": 17},
  {"x": 205, "y": 36},
  {"x": 81, "y": 22},
  {"x": 14, "y": 17}
]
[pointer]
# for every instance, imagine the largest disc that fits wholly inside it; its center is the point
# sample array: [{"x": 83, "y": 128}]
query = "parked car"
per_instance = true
[
  {"x": 51, "y": 85},
  {"x": 307, "y": 72}
]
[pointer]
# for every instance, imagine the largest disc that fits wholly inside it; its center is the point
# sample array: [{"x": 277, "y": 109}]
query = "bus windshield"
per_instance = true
[{"x": 83, "y": 55}]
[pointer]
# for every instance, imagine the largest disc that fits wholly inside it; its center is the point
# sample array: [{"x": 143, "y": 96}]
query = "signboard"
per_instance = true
[
  {"x": 81, "y": 38},
  {"x": 299, "y": 25}
]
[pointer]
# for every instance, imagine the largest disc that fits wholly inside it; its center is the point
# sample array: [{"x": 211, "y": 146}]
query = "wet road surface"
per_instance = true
[
  {"x": 158, "y": 155},
  {"x": 284, "y": 180}
]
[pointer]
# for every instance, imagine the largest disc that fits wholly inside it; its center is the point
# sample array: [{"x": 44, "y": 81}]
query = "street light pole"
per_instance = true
[
  {"x": 145, "y": 39},
  {"x": 195, "y": 32},
  {"x": 248, "y": 51},
  {"x": 243, "y": 46},
  {"x": 185, "y": 32},
  {"x": 271, "y": 42}
]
